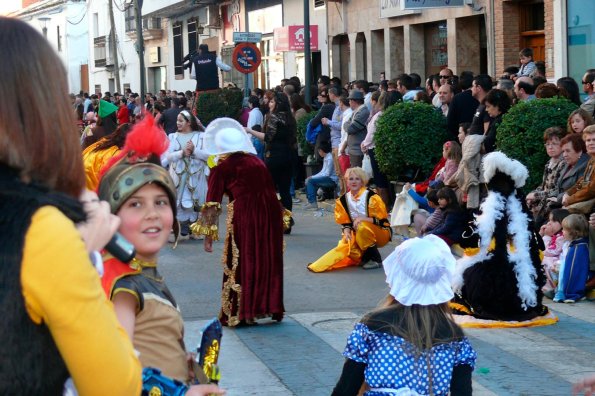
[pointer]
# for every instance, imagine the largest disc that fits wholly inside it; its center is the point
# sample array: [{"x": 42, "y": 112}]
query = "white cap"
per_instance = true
[
  {"x": 419, "y": 271},
  {"x": 226, "y": 135}
]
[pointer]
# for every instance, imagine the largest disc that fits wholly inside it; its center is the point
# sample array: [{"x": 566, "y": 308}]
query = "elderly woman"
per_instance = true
[
  {"x": 581, "y": 196},
  {"x": 537, "y": 199},
  {"x": 574, "y": 153},
  {"x": 363, "y": 219}
]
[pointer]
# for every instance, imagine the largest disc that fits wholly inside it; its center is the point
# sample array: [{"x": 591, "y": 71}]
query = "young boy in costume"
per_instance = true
[{"x": 143, "y": 195}]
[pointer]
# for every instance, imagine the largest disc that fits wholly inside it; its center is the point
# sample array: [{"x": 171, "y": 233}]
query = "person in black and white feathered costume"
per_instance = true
[{"x": 503, "y": 280}]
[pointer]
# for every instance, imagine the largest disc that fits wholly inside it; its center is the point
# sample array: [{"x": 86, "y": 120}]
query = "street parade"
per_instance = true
[{"x": 397, "y": 206}]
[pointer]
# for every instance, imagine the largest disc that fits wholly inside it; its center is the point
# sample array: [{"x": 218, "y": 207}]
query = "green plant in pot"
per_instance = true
[
  {"x": 520, "y": 135},
  {"x": 409, "y": 138}
]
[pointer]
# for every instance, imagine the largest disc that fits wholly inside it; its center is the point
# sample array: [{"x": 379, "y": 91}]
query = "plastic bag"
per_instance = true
[{"x": 367, "y": 166}]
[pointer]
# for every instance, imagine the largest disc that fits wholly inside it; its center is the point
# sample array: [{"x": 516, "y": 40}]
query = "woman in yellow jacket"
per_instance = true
[
  {"x": 56, "y": 321},
  {"x": 365, "y": 227}
]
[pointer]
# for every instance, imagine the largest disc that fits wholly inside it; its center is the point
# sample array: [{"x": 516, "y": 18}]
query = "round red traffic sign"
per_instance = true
[{"x": 246, "y": 57}]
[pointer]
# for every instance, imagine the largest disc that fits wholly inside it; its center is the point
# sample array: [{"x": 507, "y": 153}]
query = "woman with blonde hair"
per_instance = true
[{"x": 362, "y": 215}]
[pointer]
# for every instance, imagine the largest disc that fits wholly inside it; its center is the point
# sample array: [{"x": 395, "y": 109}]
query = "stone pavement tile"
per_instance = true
[
  {"x": 332, "y": 327},
  {"x": 303, "y": 362},
  {"x": 514, "y": 361},
  {"x": 242, "y": 372},
  {"x": 583, "y": 310},
  {"x": 571, "y": 332}
]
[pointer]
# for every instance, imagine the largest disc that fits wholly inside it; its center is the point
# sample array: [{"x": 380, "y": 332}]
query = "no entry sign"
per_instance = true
[{"x": 246, "y": 57}]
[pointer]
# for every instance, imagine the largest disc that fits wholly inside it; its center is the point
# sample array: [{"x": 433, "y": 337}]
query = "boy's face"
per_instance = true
[
  {"x": 525, "y": 59},
  {"x": 147, "y": 218},
  {"x": 321, "y": 153}
]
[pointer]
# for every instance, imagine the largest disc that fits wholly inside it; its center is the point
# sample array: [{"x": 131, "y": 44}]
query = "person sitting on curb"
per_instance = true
[
  {"x": 363, "y": 218},
  {"x": 326, "y": 178}
]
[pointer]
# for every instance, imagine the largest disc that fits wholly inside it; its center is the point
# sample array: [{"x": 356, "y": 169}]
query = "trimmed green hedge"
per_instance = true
[
  {"x": 302, "y": 123},
  {"x": 520, "y": 135},
  {"x": 226, "y": 102},
  {"x": 409, "y": 137}
]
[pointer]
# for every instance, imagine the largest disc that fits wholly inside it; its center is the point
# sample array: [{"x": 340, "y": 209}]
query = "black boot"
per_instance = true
[{"x": 374, "y": 258}]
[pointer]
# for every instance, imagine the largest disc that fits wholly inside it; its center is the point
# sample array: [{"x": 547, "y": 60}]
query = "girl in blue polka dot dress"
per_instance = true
[{"x": 411, "y": 345}]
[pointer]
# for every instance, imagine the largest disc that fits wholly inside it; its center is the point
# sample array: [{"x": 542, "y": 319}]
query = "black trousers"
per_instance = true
[{"x": 281, "y": 169}]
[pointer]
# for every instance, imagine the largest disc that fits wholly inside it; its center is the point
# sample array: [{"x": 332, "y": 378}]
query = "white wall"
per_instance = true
[
  {"x": 293, "y": 14},
  {"x": 73, "y": 50},
  {"x": 75, "y": 37},
  {"x": 127, "y": 56}
]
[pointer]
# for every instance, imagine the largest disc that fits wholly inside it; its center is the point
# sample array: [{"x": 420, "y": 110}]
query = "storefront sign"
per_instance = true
[
  {"x": 291, "y": 38},
  {"x": 247, "y": 37},
  {"x": 417, "y": 4},
  {"x": 246, "y": 58}
]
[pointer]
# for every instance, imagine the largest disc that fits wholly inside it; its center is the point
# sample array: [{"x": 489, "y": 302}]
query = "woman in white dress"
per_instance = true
[{"x": 187, "y": 164}]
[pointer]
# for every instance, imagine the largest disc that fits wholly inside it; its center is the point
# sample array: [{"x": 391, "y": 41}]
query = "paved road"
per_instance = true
[{"x": 302, "y": 355}]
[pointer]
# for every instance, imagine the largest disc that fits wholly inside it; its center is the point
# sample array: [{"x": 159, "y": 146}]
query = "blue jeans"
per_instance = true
[
  {"x": 259, "y": 146},
  {"x": 314, "y": 183}
]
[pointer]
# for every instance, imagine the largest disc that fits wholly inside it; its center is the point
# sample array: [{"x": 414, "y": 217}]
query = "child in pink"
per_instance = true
[{"x": 551, "y": 232}]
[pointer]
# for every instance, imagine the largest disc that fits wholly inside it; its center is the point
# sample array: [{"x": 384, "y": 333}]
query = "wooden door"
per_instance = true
[
  {"x": 536, "y": 41},
  {"x": 85, "y": 78},
  {"x": 532, "y": 28}
]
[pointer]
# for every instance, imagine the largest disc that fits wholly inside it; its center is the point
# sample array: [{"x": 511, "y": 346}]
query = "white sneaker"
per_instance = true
[
  {"x": 296, "y": 200},
  {"x": 311, "y": 206}
]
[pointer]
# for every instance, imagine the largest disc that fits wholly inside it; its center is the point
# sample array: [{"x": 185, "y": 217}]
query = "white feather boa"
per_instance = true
[{"x": 492, "y": 209}]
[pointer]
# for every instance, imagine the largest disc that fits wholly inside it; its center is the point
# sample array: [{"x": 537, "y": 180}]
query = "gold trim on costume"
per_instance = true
[
  {"x": 286, "y": 219},
  {"x": 229, "y": 270},
  {"x": 129, "y": 291},
  {"x": 207, "y": 224}
]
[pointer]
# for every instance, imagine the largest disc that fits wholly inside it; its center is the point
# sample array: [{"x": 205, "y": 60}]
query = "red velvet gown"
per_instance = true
[{"x": 253, "y": 250}]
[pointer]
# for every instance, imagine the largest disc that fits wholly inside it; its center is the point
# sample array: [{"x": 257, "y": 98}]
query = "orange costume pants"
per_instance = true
[{"x": 348, "y": 253}]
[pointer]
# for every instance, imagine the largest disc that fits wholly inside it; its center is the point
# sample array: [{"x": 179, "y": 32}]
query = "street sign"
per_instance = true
[
  {"x": 246, "y": 57},
  {"x": 247, "y": 37}
]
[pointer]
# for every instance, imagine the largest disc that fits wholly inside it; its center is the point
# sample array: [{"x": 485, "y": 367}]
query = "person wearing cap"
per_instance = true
[
  {"x": 107, "y": 123},
  {"x": 356, "y": 127},
  {"x": 362, "y": 215},
  {"x": 187, "y": 164},
  {"x": 253, "y": 247},
  {"x": 411, "y": 345},
  {"x": 204, "y": 69},
  {"x": 143, "y": 195}
]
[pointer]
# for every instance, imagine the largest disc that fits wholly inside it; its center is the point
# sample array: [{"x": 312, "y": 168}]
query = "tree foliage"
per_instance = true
[
  {"x": 520, "y": 135},
  {"x": 409, "y": 137},
  {"x": 226, "y": 102}
]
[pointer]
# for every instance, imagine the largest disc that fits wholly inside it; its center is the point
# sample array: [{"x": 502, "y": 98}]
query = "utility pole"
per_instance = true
[
  {"x": 112, "y": 45},
  {"x": 140, "y": 45},
  {"x": 307, "y": 53}
]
